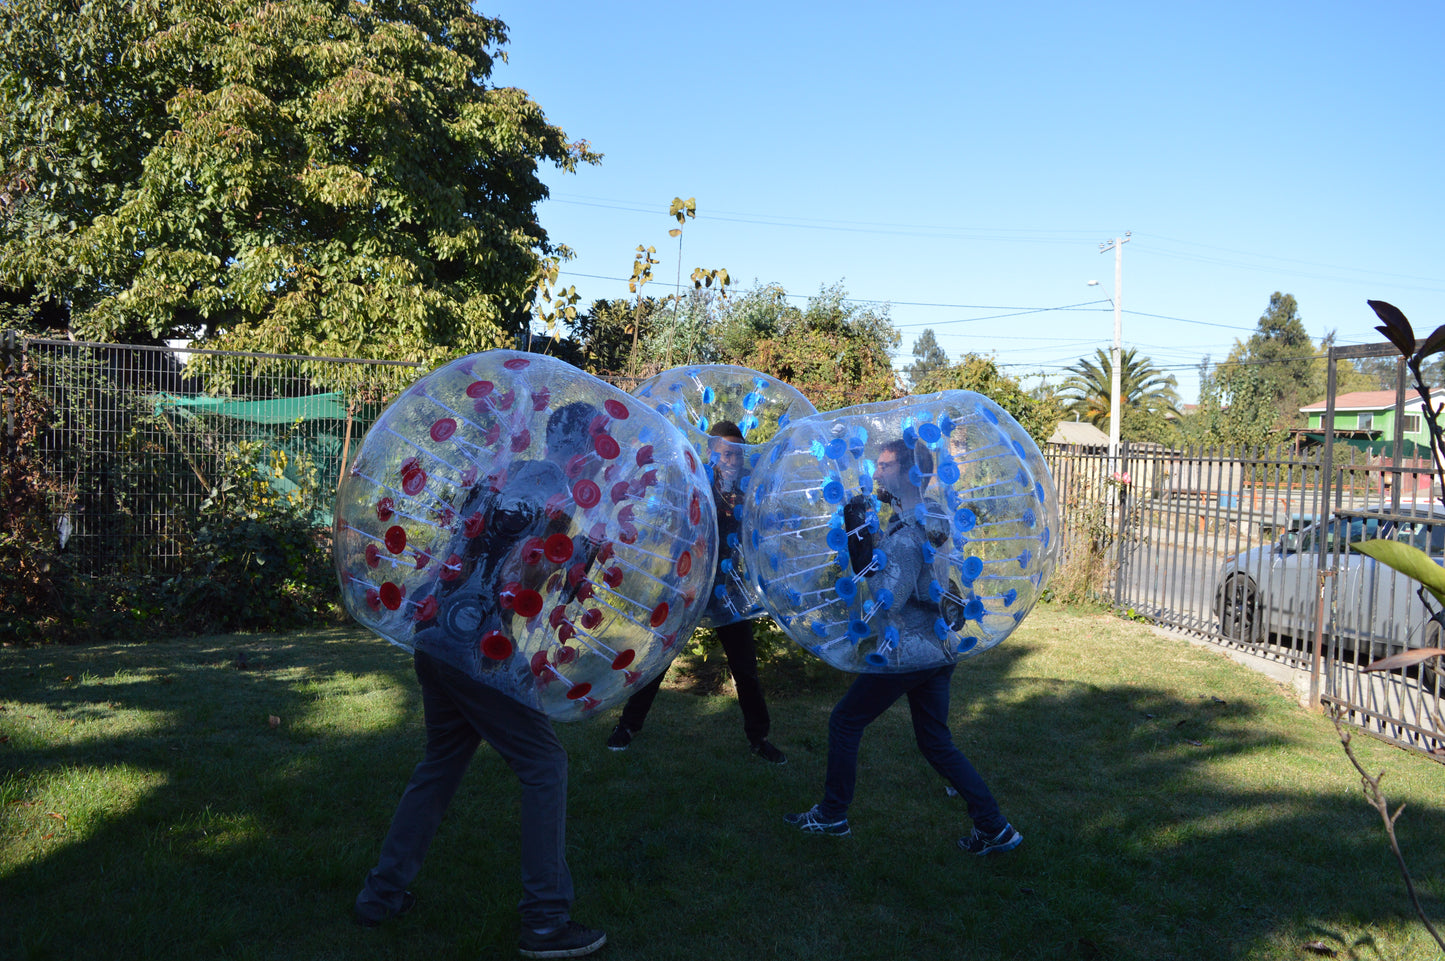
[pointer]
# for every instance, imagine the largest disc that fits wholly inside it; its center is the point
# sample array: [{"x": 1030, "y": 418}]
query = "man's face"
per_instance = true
[
  {"x": 890, "y": 472},
  {"x": 729, "y": 457}
]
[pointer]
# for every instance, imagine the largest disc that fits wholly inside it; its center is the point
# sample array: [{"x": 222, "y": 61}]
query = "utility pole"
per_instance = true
[{"x": 1116, "y": 355}]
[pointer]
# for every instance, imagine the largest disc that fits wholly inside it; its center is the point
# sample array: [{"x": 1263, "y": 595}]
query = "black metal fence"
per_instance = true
[{"x": 1256, "y": 551}]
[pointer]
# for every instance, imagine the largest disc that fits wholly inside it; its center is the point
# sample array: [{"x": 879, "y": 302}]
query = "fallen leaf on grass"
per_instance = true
[
  {"x": 274, "y": 721},
  {"x": 1319, "y": 947},
  {"x": 1195, "y": 743},
  {"x": 58, "y": 817}
]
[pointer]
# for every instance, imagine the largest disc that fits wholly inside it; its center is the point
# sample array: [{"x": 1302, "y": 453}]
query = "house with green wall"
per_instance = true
[{"x": 1366, "y": 420}]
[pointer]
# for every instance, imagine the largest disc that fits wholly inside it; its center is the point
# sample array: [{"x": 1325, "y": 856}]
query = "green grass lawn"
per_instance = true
[{"x": 1173, "y": 805}]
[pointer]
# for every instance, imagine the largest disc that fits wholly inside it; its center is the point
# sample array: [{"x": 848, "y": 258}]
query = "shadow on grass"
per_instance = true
[{"x": 1158, "y": 823}]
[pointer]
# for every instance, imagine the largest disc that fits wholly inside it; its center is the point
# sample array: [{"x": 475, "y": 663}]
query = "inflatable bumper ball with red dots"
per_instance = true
[
  {"x": 698, "y": 398},
  {"x": 531, "y": 525},
  {"x": 902, "y": 535}
]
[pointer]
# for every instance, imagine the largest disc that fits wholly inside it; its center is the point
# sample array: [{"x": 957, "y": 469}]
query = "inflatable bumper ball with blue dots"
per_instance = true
[
  {"x": 531, "y": 525},
  {"x": 705, "y": 401},
  {"x": 901, "y": 535}
]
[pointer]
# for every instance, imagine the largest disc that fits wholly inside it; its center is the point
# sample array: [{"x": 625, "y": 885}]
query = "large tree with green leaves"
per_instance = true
[
  {"x": 931, "y": 357},
  {"x": 309, "y": 176},
  {"x": 1254, "y": 396},
  {"x": 1148, "y": 397}
]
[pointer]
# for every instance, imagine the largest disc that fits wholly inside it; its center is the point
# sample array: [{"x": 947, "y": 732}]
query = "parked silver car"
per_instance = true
[{"x": 1274, "y": 589}]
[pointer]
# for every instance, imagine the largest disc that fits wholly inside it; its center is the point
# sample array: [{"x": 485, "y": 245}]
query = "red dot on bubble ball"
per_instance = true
[
  {"x": 395, "y": 539},
  {"x": 521, "y": 441},
  {"x": 414, "y": 482},
  {"x": 527, "y": 603},
  {"x": 644, "y": 455},
  {"x": 532, "y": 550},
  {"x": 427, "y": 609},
  {"x": 617, "y": 409},
  {"x": 558, "y": 615},
  {"x": 579, "y": 691},
  {"x": 390, "y": 596},
  {"x": 541, "y": 399},
  {"x": 659, "y": 614},
  {"x": 565, "y": 655},
  {"x": 684, "y": 563},
  {"x": 539, "y": 663},
  {"x": 694, "y": 509},
  {"x": 496, "y": 646},
  {"x": 586, "y": 493},
  {"x": 566, "y": 632},
  {"x": 443, "y": 429},
  {"x": 479, "y": 388},
  {"x": 606, "y": 446},
  {"x": 475, "y": 525},
  {"x": 373, "y": 557},
  {"x": 452, "y": 569},
  {"x": 559, "y": 548},
  {"x": 622, "y": 660},
  {"x": 619, "y": 491},
  {"x": 613, "y": 576},
  {"x": 591, "y": 618},
  {"x": 516, "y": 363},
  {"x": 385, "y": 508}
]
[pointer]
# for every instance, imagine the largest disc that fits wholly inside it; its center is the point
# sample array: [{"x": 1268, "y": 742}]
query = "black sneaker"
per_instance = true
[
  {"x": 809, "y": 823},
  {"x": 571, "y": 940},
  {"x": 1005, "y": 840},
  {"x": 407, "y": 900},
  {"x": 620, "y": 737},
  {"x": 765, "y": 750}
]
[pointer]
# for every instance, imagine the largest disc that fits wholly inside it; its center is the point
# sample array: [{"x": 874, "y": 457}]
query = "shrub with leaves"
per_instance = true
[
  {"x": 260, "y": 557},
  {"x": 31, "y": 571}
]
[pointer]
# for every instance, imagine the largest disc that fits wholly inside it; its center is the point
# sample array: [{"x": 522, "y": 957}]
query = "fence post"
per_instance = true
[{"x": 1121, "y": 522}]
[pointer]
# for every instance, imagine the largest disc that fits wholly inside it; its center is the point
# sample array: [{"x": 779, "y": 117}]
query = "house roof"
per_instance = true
[
  {"x": 1078, "y": 432},
  {"x": 1369, "y": 400}
]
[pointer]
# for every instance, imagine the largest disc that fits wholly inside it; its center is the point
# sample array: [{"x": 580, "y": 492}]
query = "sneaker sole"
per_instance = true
[{"x": 577, "y": 952}]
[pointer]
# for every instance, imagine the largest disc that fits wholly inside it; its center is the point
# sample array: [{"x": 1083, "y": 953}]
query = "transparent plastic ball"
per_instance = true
[
  {"x": 727, "y": 413},
  {"x": 531, "y": 525},
  {"x": 901, "y": 535}
]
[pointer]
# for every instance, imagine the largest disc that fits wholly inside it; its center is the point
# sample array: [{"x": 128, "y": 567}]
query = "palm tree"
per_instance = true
[{"x": 1147, "y": 393}]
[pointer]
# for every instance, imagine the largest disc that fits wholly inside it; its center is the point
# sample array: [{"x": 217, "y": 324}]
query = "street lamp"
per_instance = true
[{"x": 1116, "y": 245}]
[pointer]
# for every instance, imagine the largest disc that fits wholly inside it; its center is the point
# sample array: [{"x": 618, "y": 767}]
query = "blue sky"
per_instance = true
[{"x": 963, "y": 162}]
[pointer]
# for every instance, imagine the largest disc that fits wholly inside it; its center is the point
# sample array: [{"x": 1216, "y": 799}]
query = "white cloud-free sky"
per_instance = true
[{"x": 963, "y": 162}]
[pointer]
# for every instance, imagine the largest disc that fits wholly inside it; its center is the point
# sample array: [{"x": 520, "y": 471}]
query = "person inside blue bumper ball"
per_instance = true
[{"x": 927, "y": 690}]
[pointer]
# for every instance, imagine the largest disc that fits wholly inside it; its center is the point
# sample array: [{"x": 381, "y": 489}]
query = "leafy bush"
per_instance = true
[
  {"x": 32, "y": 574},
  {"x": 259, "y": 557}
]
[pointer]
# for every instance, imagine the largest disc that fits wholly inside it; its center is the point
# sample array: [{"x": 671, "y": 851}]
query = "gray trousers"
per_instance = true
[{"x": 461, "y": 712}]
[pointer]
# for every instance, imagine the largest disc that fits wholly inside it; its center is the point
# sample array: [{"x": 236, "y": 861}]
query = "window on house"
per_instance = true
[
  {"x": 1412, "y": 423},
  {"x": 1367, "y": 422}
]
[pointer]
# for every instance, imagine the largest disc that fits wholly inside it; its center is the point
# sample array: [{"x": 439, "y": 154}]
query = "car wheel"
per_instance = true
[{"x": 1239, "y": 610}]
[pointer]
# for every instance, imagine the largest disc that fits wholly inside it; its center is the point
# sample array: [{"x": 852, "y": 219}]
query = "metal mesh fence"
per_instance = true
[{"x": 140, "y": 438}]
